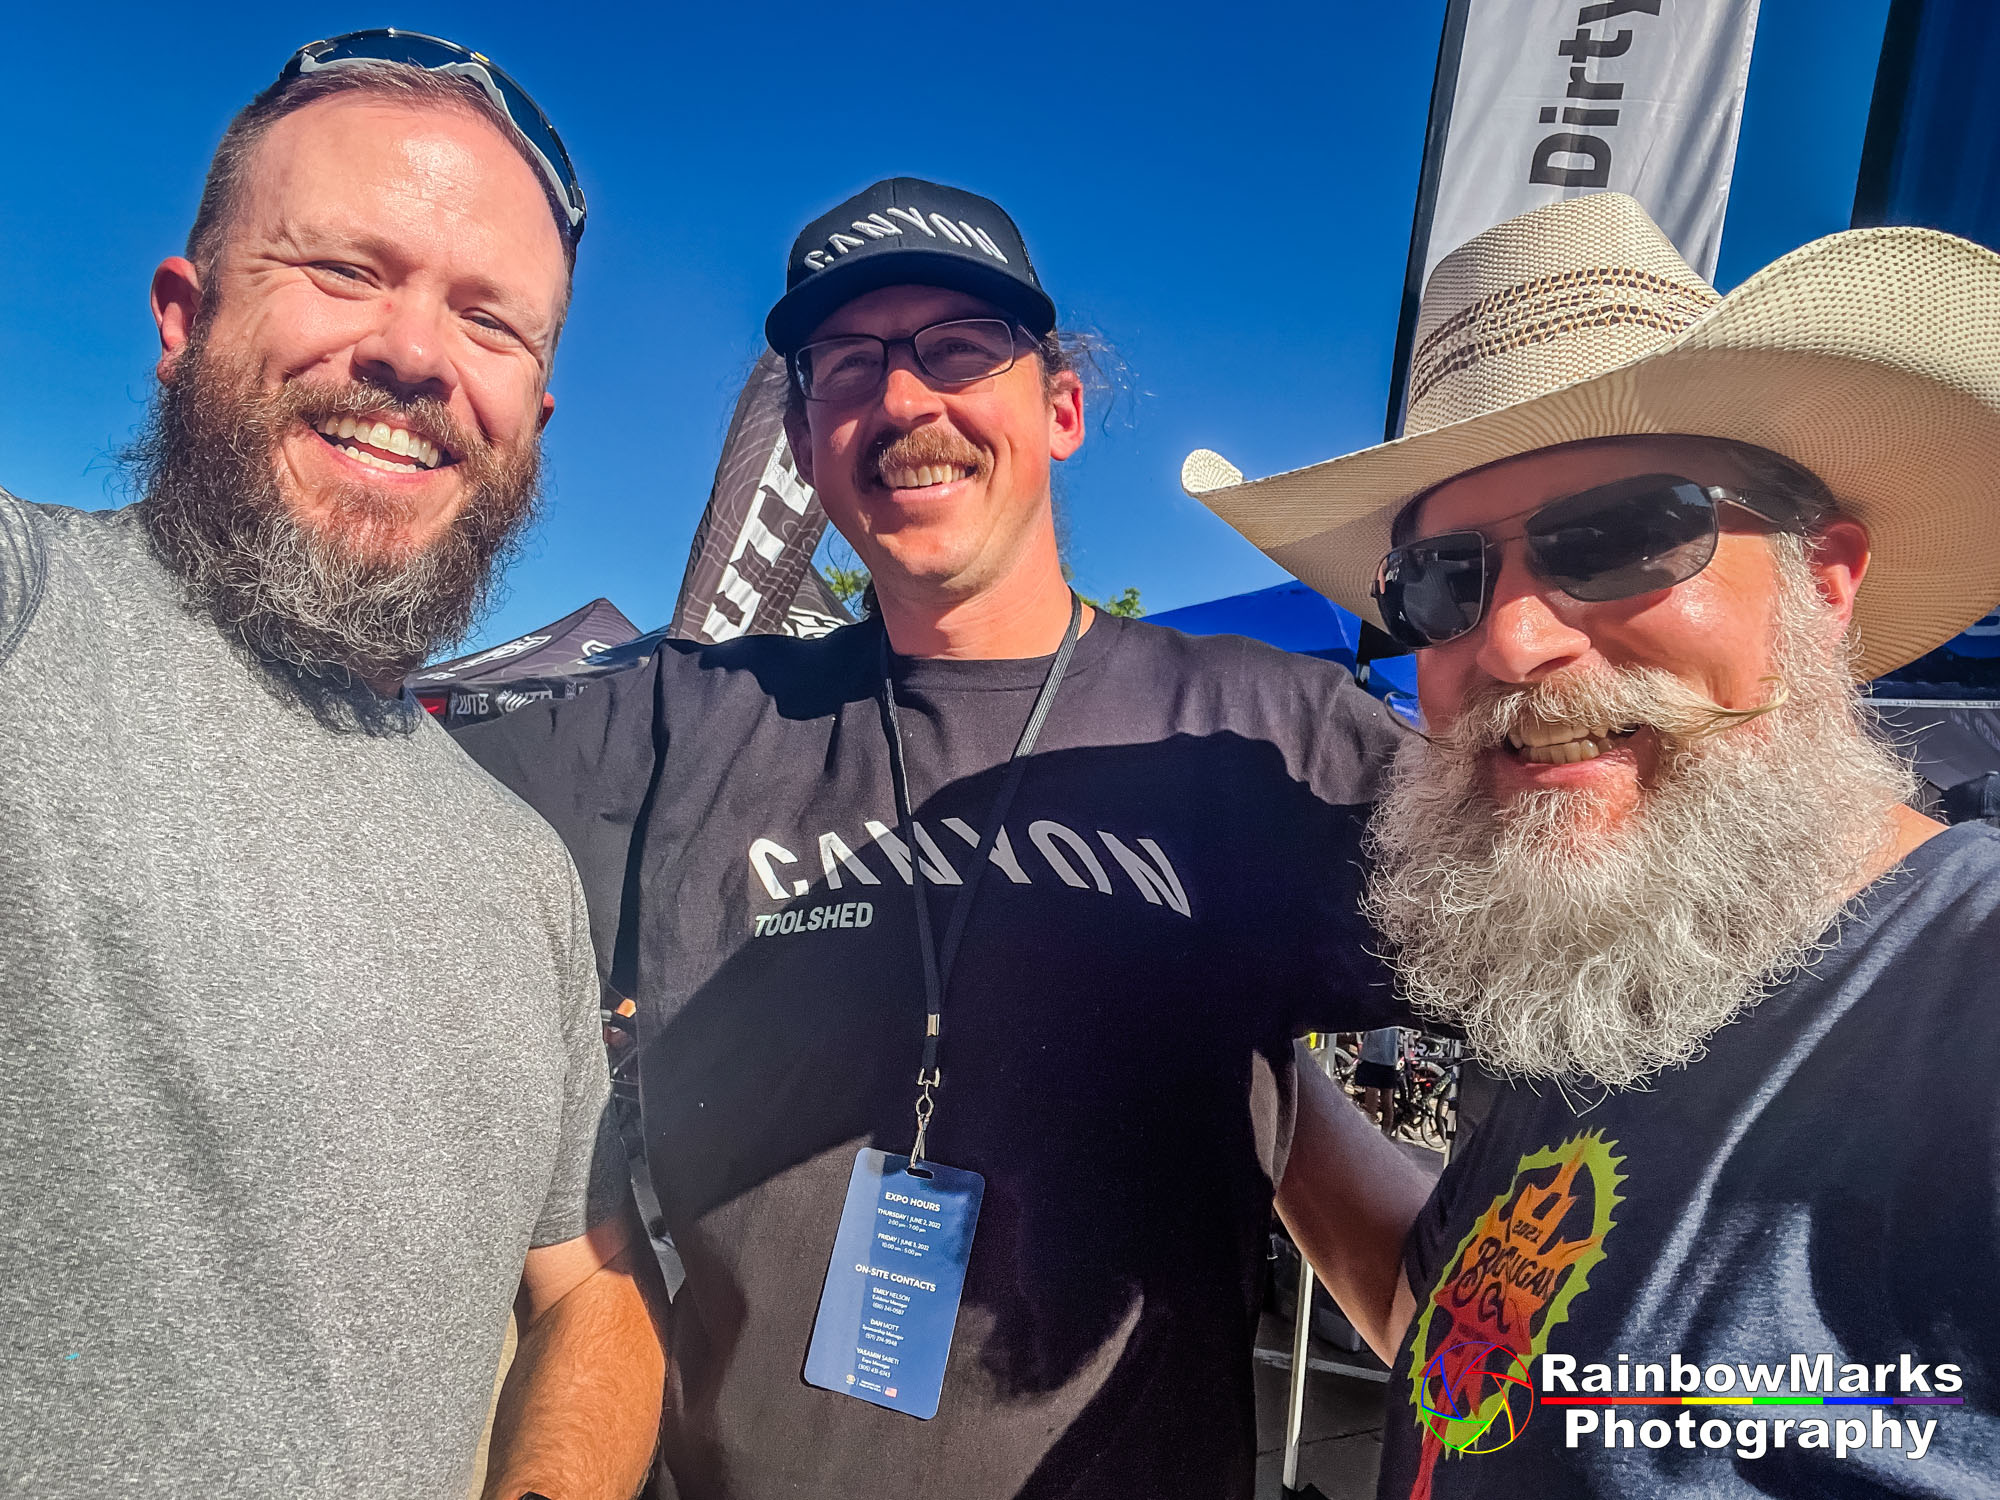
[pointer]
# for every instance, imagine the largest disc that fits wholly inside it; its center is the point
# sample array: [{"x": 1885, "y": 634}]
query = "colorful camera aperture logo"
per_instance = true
[
  {"x": 1476, "y": 1397},
  {"x": 1497, "y": 1297}
]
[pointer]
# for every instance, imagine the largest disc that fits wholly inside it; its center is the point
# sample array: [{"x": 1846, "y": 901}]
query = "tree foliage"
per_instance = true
[
  {"x": 1126, "y": 605},
  {"x": 848, "y": 584}
]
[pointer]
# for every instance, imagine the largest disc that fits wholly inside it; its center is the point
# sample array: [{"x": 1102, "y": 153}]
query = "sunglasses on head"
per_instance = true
[
  {"x": 1615, "y": 541},
  {"x": 436, "y": 55}
]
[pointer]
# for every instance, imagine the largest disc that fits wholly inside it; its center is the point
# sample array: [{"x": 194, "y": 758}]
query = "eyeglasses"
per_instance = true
[
  {"x": 854, "y": 366},
  {"x": 1615, "y": 541},
  {"x": 435, "y": 55}
]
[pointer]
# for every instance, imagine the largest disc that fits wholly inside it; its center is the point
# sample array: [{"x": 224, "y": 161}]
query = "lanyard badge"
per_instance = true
[
  {"x": 893, "y": 1283},
  {"x": 886, "y": 1316}
]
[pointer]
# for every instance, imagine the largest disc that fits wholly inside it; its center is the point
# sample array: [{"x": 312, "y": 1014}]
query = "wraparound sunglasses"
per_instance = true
[
  {"x": 436, "y": 55},
  {"x": 1615, "y": 541}
]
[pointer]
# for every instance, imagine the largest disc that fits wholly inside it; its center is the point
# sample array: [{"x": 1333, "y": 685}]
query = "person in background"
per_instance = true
[
  {"x": 247, "y": 1256},
  {"x": 1377, "y": 1071},
  {"x": 1976, "y": 799},
  {"x": 1042, "y": 891},
  {"x": 1646, "y": 541}
]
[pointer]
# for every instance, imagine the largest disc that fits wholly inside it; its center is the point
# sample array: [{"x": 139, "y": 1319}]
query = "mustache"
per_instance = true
[
  {"x": 928, "y": 445},
  {"x": 1620, "y": 698},
  {"x": 428, "y": 417}
]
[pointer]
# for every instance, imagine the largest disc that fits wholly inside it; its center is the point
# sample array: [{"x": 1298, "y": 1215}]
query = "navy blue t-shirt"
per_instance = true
[
  {"x": 1174, "y": 900},
  {"x": 1822, "y": 1183}
]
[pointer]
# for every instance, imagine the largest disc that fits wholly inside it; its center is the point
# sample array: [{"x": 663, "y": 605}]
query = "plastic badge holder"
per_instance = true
[{"x": 883, "y": 1333}]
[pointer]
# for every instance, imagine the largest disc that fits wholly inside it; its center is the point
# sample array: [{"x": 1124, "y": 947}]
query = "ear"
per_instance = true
[
  {"x": 1838, "y": 556},
  {"x": 548, "y": 411},
  {"x": 1066, "y": 416},
  {"x": 176, "y": 307},
  {"x": 798, "y": 433}
]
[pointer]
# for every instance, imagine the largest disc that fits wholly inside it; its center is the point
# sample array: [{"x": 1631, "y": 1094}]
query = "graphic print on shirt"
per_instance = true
[
  {"x": 1510, "y": 1281},
  {"x": 853, "y": 865}
]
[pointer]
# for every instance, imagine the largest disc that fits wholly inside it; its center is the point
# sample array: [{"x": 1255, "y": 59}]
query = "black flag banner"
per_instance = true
[
  {"x": 755, "y": 542},
  {"x": 815, "y": 610}
]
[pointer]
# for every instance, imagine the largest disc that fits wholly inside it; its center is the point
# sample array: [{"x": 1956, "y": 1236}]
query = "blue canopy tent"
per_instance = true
[{"x": 1293, "y": 617}]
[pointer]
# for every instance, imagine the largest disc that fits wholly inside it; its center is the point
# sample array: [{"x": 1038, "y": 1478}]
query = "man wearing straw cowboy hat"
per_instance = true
[{"x": 1645, "y": 540}]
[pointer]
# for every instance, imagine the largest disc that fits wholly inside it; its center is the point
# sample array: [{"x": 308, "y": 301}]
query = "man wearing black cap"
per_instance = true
[{"x": 1035, "y": 896}]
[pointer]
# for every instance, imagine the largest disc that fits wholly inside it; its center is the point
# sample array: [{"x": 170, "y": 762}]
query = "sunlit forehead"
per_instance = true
[{"x": 439, "y": 183}]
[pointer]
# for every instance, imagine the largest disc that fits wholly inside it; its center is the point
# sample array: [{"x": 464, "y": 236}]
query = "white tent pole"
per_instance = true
[{"x": 1295, "y": 1406}]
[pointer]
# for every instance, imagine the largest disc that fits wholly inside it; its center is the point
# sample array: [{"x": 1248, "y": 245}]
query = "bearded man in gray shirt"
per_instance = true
[{"x": 300, "y": 1070}]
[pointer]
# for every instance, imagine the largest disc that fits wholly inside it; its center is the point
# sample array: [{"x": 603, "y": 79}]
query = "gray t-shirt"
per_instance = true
[
  {"x": 299, "y": 1054},
  {"x": 1383, "y": 1046}
]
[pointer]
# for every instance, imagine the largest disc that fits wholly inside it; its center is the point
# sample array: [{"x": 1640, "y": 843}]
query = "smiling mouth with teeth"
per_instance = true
[
  {"x": 922, "y": 476},
  {"x": 395, "y": 450},
  {"x": 1563, "y": 744}
]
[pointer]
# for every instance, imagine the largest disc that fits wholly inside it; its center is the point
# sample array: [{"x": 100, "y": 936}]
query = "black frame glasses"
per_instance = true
[
  {"x": 1614, "y": 541},
  {"x": 436, "y": 55},
  {"x": 957, "y": 351}
]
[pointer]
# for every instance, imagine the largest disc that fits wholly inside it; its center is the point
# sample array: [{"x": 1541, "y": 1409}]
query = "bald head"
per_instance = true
[{"x": 387, "y": 83}]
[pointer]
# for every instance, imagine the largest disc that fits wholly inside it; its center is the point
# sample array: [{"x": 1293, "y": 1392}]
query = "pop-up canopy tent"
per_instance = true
[
  {"x": 815, "y": 612},
  {"x": 540, "y": 664},
  {"x": 1944, "y": 708},
  {"x": 1293, "y": 617},
  {"x": 1949, "y": 741},
  {"x": 560, "y": 659}
]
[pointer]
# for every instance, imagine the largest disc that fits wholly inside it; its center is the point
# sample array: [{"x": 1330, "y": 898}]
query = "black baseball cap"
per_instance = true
[{"x": 905, "y": 231}]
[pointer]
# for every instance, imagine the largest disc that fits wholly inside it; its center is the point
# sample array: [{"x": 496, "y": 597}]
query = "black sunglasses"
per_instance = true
[
  {"x": 1615, "y": 541},
  {"x": 853, "y": 366},
  {"x": 436, "y": 55}
]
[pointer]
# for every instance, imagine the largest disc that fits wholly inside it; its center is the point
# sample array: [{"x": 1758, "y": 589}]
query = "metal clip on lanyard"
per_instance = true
[{"x": 937, "y": 969}]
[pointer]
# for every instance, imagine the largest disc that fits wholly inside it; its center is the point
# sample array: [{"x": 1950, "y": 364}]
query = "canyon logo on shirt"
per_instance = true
[{"x": 1173, "y": 900}]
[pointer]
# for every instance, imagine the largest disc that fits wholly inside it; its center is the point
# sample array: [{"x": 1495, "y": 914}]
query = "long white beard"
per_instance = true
[{"x": 1564, "y": 948}]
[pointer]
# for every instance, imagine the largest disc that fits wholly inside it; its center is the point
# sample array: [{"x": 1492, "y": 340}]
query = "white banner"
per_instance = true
[{"x": 1555, "y": 98}]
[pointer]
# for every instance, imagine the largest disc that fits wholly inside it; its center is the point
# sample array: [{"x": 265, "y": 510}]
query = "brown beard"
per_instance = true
[{"x": 332, "y": 607}]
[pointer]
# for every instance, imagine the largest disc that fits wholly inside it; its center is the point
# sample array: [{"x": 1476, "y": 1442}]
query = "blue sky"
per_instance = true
[{"x": 1221, "y": 191}]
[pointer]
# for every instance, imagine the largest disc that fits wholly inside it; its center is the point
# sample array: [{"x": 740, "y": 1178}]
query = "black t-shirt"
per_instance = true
[
  {"x": 1174, "y": 901},
  {"x": 1822, "y": 1182}
]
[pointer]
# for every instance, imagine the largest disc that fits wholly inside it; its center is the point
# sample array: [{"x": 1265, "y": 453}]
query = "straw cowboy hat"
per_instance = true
[{"x": 1871, "y": 357}]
